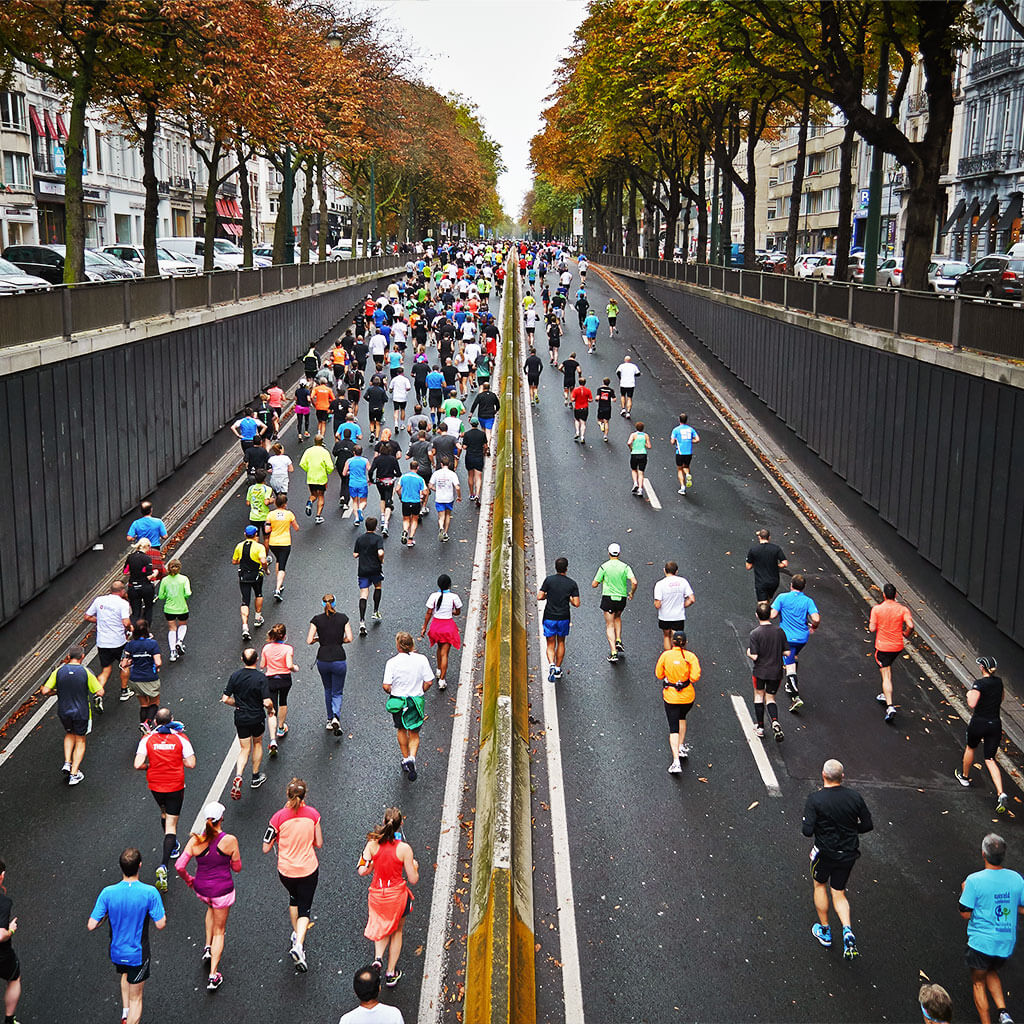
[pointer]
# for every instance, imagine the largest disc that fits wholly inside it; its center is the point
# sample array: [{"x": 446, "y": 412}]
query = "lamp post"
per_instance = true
[
  {"x": 192, "y": 180},
  {"x": 891, "y": 177},
  {"x": 373, "y": 206}
]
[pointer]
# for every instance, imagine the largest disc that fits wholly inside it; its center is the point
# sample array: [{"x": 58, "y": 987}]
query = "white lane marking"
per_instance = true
[
  {"x": 651, "y": 496},
  {"x": 572, "y": 987},
  {"x": 764, "y": 766},
  {"x": 435, "y": 955},
  {"x": 27, "y": 728},
  {"x": 225, "y": 772}
]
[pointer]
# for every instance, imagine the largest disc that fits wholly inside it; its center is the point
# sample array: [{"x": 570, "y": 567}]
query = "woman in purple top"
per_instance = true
[{"x": 217, "y": 856}]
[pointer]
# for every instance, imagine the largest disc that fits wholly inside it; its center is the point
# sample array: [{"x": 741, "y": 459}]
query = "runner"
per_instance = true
[
  {"x": 129, "y": 906},
  {"x": 281, "y": 522},
  {"x": 296, "y": 831},
  {"x": 275, "y": 399},
  {"x": 444, "y": 482},
  {"x": 618, "y": 585},
  {"x": 678, "y": 669},
  {"x": 331, "y": 630},
  {"x": 384, "y": 471},
  {"x": 217, "y": 859},
  {"x": 605, "y": 398},
  {"x": 407, "y": 677},
  {"x": 486, "y": 406},
  {"x": 590, "y": 328},
  {"x": 766, "y": 648},
  {"x": 672, "y": 596},
  {"x": 836, "y": 817},
  {"x": 247, "y": 429},
  {"x": 248, "y": 692},
  {"x": 581, "y": 399},
  {"x": 985, "y": 729},
  {"x": 554, "y": 331},
  {"x": 639, "y": 444},
  {"x": 10, "y": 967},
  {"x": 141, "y": 660},
  {"x": 317, "y": 464},
  {"x": 442, "y": 607},
  {"x": 400, "y": 386},
  {"x": 891, "y": 623},
  {"x": 302, "y": 407},
  {"x": 376, "y": 398},
  {"x": 148, "y": 526},
  {"x": 369, "y": 555},
  {"x": 370, "y": 1010},
  {"x": 557, "y": 592},
  {"x": 627, "y": 373},
  {"x": 164, "y": 754},
  {"x": 280, "y": 466},
  {"x": 612, "y": 313},
  {"x": 798, "y": 615},
  {"x": 582, "y": 306},
  {"x": 74, "y": 684},
  {"x": 412, "y": 490},
  {"x": 684, "y": 437},
  {"x": 277, "y": 663},
  {"x": 390, "y": 859},
  {"x": 256, "y": 457},
  {"x": 113, "y": 617},
  {"x": 533, "y": 367},
  {"x": 570, "y": 368},
  {"x": 475, "y": 443},
  {"x": 766, "y": 559},
  {"x": 251, "y": 558},
  {"x": 259, "y": 498},
  {"x": 357, "y": 472}
]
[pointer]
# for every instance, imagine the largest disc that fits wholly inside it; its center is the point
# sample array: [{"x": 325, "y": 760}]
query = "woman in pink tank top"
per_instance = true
[{"x": 393, "y": 866}]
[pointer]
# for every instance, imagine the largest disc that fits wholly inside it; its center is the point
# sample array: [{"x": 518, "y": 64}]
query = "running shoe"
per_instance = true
[
  {"x": 890, "y": 713},
  {"x": 336, "y": 726},
  {"x": 309, "y": 504},
  {"x": 411, "y": 543},
  {"x": 684, "y": 751},
  {"x": 126, "y": 694},
  {"x": 961, "y": 778},
  {"x": 176, "y": 850},
  {"x": 551, "y": 679},
  {"x": 298, "y": 955},
  {"x": 378, "y": 964},
  {"x": 1005, "y": 1018},
  {"x": 161, "y": 878},
  {"x": 689, "y": 480},
  {"x": 391, "y": 980},
  {"x": 319, "y": 519},
  {"x": 558, "y": 672},
  {"x": 880, "y": 698},
  {"x": 1001, "y": 803},
  {"x": 442, "y": 683},
  {"x": 66, "y": 768},
  {"x": 174, "y": 655},
  {"x": 330, "y": 728},
  {"x": 362, "y": 629},
  {"x": 246, "y": 635},
  {"x": 405, "y": 537},
  {"x": 377, "y": 617},
  {"x": 759, "y": 731},
  {"x": 779, "y": 734},
  {"x": 258, "y": 621},
  {"x": 277, "y": 596},
  {"x": 675, "y": 768},
  {"x": 823, "y": 934},
  {"x": 257, "y": 781},
  {"x": 384, "y": 532},
  {"x": 619, "y": 647},
  {"x": 405, "y": 766},
  {"x": 605, "y": 438},
  {"x": 215, "y": 982},
  {"x": 796, "y": 704},
  {"x": 272, "y": 751},
  {"x": 613, "y": 657},
  {"x": 207, "y": 955},
  {"x": 850, "y": 949},
  {"x": 236, "y": 788},
  {"x": 181, "y": 645},
  {"x": 75, "y": 778},
  {"x": 282, "y": 730},
  {"x": 97, "y": 703},
  {"x": 412, "y": 770},
  {"x": 682, "y": 490}
]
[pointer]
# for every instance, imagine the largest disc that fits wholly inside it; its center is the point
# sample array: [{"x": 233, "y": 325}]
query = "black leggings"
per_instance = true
[
  {"x": 676, "y": 713},
  {"x": 300, "y": 891},
  {"x": 140, "y": 600},
  {"x": 302, "y": 420}
]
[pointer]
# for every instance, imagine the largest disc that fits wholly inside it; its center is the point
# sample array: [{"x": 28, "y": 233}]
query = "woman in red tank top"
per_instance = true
[{"x": 393, "y": 866}]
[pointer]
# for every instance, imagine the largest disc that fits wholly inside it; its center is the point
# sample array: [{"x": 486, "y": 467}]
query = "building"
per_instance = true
[{"x": 17, "y": 202}]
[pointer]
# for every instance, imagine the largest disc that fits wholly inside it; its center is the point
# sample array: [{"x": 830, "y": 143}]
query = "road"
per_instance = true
[{"x": 692, "y": 900}]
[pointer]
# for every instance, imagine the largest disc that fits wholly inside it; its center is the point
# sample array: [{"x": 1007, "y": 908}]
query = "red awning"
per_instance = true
[
  {"x": 36, "y": 123},
  {"x": 221, "y": 212},
  {"x": 233, "y": 229},
  {"x": 61, "y": 130},
  {"x": 236, "y": 210},
  {"x": 50, "y": 130}
]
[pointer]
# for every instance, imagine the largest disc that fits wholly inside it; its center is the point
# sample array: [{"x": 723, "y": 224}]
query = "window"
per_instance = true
[
  {"x": 771, "y": 210},
  {"x": 12, "y": 111},
  {"x": 42, "y": 155},
  {"x": 972, "y": 129},
  {"x": 16, "y": 170},
  {"x": 99, "y": 149},
  {"x": 123, "y": 227}
]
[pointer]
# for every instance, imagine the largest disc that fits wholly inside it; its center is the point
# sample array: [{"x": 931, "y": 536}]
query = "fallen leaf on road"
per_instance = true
[{"x": 753, "y": 805}]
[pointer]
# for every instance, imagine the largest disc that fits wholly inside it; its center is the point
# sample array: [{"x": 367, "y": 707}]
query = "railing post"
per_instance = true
[
  {"x": 740, "y": 292},
  {"x": 65, "y": 311},
  {"x": 236, "y": 286},
  {"x": 209, "y": 290},
  {"x": 281, "y": 270},
  {"x": 957, "y": 309},
  {"x": 126, "y": 297},
  {"x": 172, "y": 296},
  {"x": 261, "y": 282},
  {"x": 785, "y": 292},
  {"x": 814, "y": 297},
  {"x": 896, "y": 311},
  {"x": 849, "y": 304},
  {"x": 760, "y": 287}
]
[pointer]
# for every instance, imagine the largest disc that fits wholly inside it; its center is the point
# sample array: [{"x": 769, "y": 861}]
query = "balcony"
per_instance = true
[
  {"x": 992, "y": 162},
  {"x": 1004, "y": 60},
  {"x": 917, "y": 103}
]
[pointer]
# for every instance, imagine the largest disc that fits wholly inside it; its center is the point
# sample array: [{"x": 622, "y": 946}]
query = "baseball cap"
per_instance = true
[
  {"x": 214, "y": 811},
  {"x": 474, "y": 422},
  {"x": 250, "y": 531},
  {"x": 614, "y": 549},
  {"x": 987, "y": 663}
]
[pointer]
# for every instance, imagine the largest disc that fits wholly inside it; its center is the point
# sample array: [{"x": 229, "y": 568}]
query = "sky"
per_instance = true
[{"x": 496, "y": 40}]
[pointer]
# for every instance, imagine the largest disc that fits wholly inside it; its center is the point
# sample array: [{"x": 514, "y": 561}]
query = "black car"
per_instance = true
[
  {"x": 996, "y": 276},
  {"x": 47, "y": 262}
]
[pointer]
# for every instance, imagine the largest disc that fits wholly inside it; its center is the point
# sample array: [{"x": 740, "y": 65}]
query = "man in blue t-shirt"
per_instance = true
[
  {"x": 990, "y": 901},
  {"x": 684, "y": 437},
  {"x": 798, "y": 616},
  {"x": 247, "y": 429},
  {"x": 356, "y": 472},
  {"x": 128, "y": 907},
  {"x": 411, "y": 488},
  {"x": 435, "y": 392},
  {"x": 148, "y": 526}
]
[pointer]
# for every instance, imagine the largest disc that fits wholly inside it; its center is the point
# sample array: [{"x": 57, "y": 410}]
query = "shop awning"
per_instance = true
[
  {"x": 234, "y": 208},
  {"x": 955, "y": 218},
  {"x": 221, "y": 211},
  {"x": 1012, "y": 212},
  {"x": 972, "y": 210},
  {"x": 36, "y": 122},
  {"x": 50, "y": 130},
  {"x": 989, "y": 212},
  {"x": 234, "y": 229},
  {"x": 61, "y": 129}
]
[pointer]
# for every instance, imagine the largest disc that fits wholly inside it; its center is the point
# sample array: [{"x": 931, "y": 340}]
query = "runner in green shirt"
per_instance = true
[
  {"x": 317, "y": 464},
  {"x": 258, "y": 497},
  {"x": 452, "y": 407},
  {"x": 639, "y": 444},
  {"x": 618, "y": 585},
  {"x": 175, "y": 590}
]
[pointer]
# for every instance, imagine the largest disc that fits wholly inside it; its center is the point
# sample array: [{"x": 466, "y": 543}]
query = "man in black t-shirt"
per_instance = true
[
  {"x": 256, "y": 457},
  {"x": 559, "y": 592},
  {"x": 766, "y": 648},
  {"x": 766, "y": 559},
  {"x": 569, "y": 370},
  {"x": 605, "y": 397},
  {"x": 533, "y": 367},
  {"x": 554, "y": 329},
  {"x": 475, "y": 444},
  {"x": 486, "y": 406},
  {"x": 985, "y": 729},
  {"x": 248, "y": 692},
  {"x": 369, "y": 555},
  {"x": 376, "y": 397}
]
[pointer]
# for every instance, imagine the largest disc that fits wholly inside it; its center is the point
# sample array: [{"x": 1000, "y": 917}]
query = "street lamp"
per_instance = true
[
  {"x": 192, "y": 180},
  {"x": 892, "y": 176}
]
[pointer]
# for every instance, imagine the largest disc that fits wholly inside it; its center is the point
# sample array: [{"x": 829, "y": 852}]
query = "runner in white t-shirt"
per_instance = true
[
  {"x": 445, "y": 484},
  {"x": 400, "y": 387},
  {"x": 627, "y": 374},
  {"x": 442, "y": 607},
  {"x": 672, "y": 596}
]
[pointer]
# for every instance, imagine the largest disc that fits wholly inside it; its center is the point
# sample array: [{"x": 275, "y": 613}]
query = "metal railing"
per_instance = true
[
  {"x": 991, "y": 326},
  {"x": 68, "y": 310}
]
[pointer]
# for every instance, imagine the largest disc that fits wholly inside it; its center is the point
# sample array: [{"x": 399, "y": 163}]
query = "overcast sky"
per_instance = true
[{"x": 479, "y": 47}]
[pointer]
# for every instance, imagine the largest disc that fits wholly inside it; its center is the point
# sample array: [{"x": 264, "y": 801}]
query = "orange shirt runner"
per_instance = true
[{"x": 887, "y": 622}]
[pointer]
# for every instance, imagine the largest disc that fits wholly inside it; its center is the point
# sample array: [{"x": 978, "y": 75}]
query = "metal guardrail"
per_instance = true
[
  {"x": 991, "y": 326},
  {"x": 68, "y": 310},
  {"x": 500, "y": 960}
]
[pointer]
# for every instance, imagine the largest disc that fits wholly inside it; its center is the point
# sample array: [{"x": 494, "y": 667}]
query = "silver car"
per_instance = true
[
  {"x": 890, "y": 273},
  {"x": 943, "y": 275},
  {"x": 14, "y": 279}
]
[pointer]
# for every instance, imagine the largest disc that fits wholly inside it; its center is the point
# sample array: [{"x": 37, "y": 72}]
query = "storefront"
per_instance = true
[
  {"x": 17, "y": 226},
  {"x": 229, "y": 219}
]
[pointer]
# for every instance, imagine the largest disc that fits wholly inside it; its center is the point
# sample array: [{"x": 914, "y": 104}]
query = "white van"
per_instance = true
[{"x": 226, "y": 255}]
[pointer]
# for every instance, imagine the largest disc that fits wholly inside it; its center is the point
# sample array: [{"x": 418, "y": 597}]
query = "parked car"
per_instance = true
[
  {"x": 226, "y": 255},
  {"x": 805, "y": 264},
  {"x": 890, "y": 273},
  {"x": 47, "y": 262},
  {"x": 265, "y": 251},
  {"x": 996, "y": 276},
  {"x": 855, "y": 268},
  {"x": 14, "y": 279},
  {"x": 825, "y": 268},
  {"x": 134, "y": 256},
  {"x": 943, "y": 274},
  {"x": 126, "y": 269}
]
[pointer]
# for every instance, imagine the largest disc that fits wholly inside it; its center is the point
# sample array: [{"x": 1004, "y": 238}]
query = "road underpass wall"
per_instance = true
[
  {"x": 932, "y": 439},
  {"x": 94, "y": 424}
]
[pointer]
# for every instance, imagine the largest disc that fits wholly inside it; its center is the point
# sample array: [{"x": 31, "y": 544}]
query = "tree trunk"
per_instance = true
[
  {"x": 243, "y": 188},
  {"x": 321, "y": 199},
  {"x": 845, "y": 233},
  {"x": 152, "y": 187},
  {"x": 750, "y": 207},
  {"x": 725, "y": 233},
  {"x": 671, "y": 211},
  {"x": 702, "y": 208},
  {"x": 650, "y": 239},
  {"x": 307, "y": 209},
  {"x": 793, "y": 225},
  {"x": 685, "y": 247},
  {"x": 74, "y": 161},
  {"x": 632, "y": 237},
  {"x": 210, "y": 205}
]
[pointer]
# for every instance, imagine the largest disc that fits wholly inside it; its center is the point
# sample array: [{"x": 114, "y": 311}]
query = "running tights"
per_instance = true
[
  {"x": 302, "y": 420},
  {"x": 773, "y": 712}
]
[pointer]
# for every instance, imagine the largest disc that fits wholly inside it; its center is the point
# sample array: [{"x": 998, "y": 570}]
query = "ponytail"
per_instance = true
[
  {"x": 296, "y": 793},
  {"x": 328, "y": 600},
  {"x": 385, "y": 832}
]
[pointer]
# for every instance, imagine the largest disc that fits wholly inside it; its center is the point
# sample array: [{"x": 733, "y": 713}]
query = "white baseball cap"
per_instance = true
[
  {"x": 214, "y": 811},
  {"x": 614, "y": 549}
]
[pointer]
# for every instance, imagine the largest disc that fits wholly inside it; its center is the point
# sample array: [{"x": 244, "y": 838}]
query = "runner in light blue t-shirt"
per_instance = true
[
  {"x": 684, "y": 437},
  {"x": 798, "y": 615}
]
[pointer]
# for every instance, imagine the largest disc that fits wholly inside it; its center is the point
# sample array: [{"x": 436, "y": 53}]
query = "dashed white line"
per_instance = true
[
  {"x": 764, "y": 766},
  {"x": 651, "y": 496}
]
